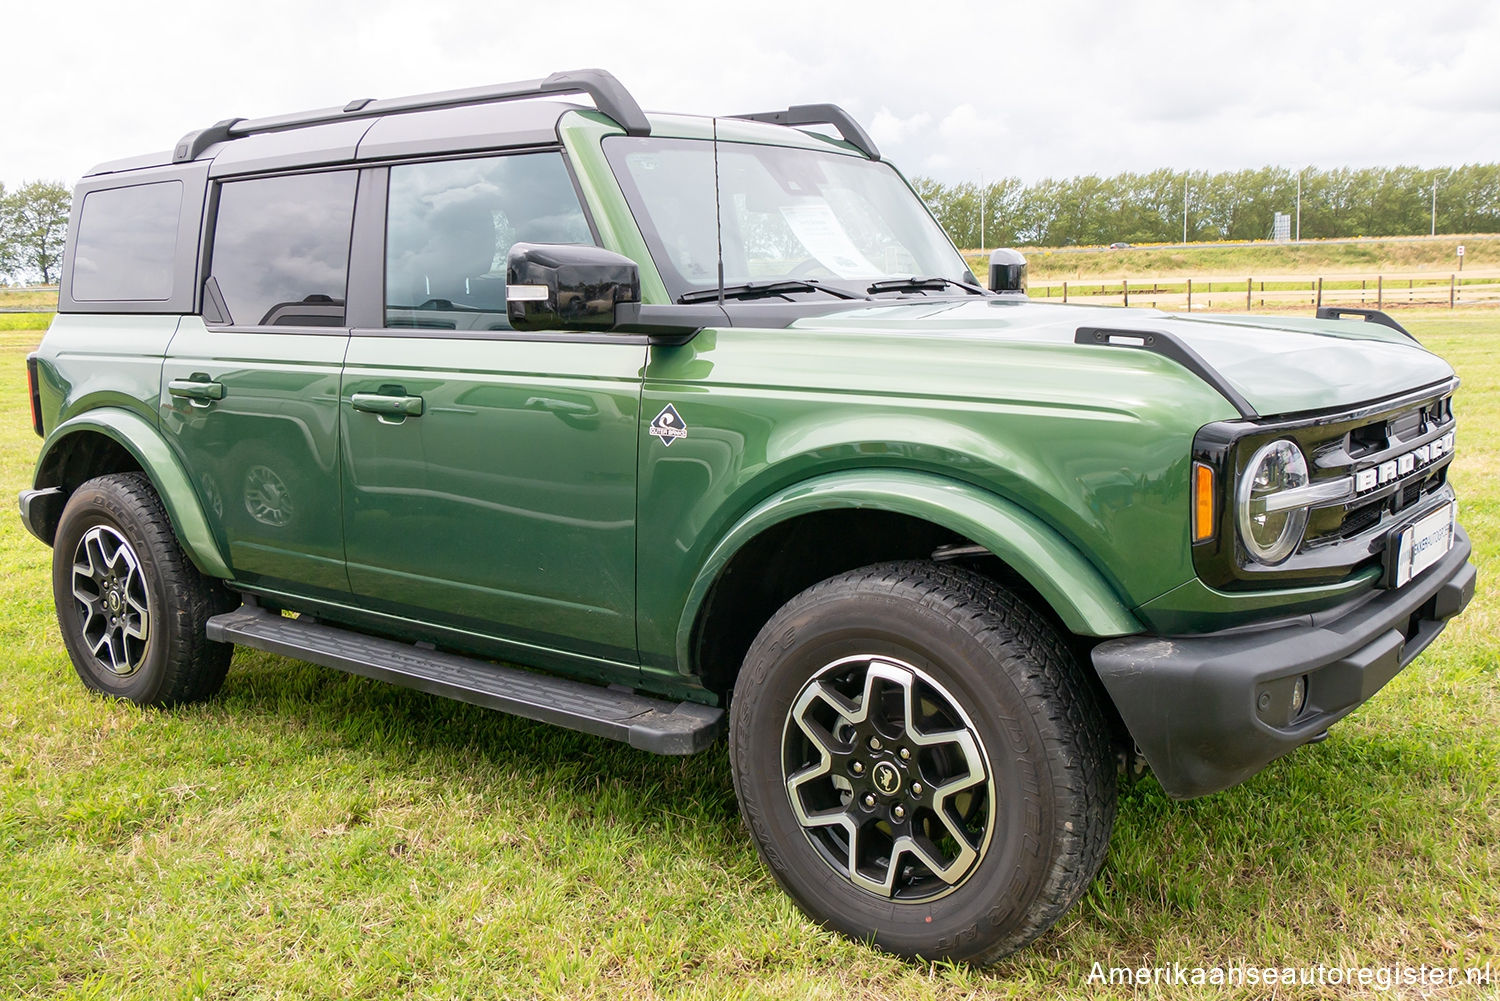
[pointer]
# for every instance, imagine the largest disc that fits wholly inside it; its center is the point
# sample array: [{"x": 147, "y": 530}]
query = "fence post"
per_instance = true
[
  {"x": 1320, "y": 293},
  {"x": 1065, "y": 291},
  {"x": 1380, "y": 291},
  {"x": 1190, "y": 295},
  {"x": 1249, "y": 287},
  {"x": 1125, "y": 289},
  {"x": 1452, "y": 289}
]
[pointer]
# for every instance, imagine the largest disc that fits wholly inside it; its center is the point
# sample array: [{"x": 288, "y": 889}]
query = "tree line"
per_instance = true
[
  {"x": 1231, "y": 205},
  {"x": 33, "y": 227}
]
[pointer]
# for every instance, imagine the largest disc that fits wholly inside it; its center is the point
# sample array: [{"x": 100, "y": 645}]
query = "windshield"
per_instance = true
[{"x": 785, "y": 214}]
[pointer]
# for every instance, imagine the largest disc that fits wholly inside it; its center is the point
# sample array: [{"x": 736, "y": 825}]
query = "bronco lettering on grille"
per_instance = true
[{"x": 1402, "y": 466}]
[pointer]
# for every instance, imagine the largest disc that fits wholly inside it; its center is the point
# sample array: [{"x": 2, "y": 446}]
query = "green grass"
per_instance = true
[
  {"x": 24, "y": 321},
  {"x": 312, "y": 835}
]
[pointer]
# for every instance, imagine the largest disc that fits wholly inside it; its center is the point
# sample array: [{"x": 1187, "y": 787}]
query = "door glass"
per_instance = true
[
  {"x": 450, "y": 226},
  {"x": 281, "y": 249}
]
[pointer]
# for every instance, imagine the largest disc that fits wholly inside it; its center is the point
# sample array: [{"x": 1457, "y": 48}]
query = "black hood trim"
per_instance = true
[{"x": 1168, "y": 346}]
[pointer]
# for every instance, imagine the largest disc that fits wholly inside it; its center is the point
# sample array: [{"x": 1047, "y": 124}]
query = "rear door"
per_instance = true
[
  {"x": 489, "y": 474},
  {"x": 250, "y": 391}
]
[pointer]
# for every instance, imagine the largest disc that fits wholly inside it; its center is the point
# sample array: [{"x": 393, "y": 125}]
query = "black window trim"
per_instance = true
[{"x": 186, "y": 259}]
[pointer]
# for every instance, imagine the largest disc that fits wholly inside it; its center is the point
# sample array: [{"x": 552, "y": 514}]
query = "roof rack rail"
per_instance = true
[
  {"x": 1368, "y": 315},
  {"x": 610, "y": 97},
  {"x": 821, "y": 114}
]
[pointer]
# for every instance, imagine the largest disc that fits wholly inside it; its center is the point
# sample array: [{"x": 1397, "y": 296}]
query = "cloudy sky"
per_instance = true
[{"x": 1047, "y": 87}]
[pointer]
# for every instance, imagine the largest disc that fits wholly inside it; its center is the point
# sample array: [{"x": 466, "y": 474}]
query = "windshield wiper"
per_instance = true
[
  {"x": 915, "y": 284},
  {"x": 758, "y": 290}
]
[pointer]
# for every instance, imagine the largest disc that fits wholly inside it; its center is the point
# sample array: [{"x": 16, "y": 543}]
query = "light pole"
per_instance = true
[
  {"x": 1434, "y": 208},
  {"x": 982, "y": 210},
  {"x": 1299, "y": 204},
  {"x": 1184, "y": 206}
]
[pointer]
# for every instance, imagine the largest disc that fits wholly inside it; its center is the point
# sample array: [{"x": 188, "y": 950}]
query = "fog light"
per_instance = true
[{"x": 1299, "y": 696}]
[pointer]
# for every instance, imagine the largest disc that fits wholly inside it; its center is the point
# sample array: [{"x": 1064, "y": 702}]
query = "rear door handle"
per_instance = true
[
  {"x": 387, "y": 406},
  {"x": 199, "y": 392}
]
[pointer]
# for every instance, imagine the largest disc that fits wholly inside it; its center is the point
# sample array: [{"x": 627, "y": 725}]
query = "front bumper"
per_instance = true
[
  {"x": 1210, "y": 711},
  {"x": 40, "y": 510}
]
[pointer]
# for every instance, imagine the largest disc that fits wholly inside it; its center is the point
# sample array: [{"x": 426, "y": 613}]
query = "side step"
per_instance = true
[{"x": 640, "y": 721}]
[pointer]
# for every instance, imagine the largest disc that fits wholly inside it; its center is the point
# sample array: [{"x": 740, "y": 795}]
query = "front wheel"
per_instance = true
[{"x": 921, "y": 762}]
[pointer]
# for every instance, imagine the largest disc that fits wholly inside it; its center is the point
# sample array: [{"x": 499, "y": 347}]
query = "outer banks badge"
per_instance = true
[{"x": 668, "y": 426}]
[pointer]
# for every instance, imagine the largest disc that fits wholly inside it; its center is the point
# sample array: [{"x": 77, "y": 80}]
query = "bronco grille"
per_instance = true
[
  {"x": 1396, "y": 459},
  {"x": 1392, "y": 459}
]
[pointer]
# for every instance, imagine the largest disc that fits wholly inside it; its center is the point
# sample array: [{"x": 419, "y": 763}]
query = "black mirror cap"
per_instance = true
[
  {"x": 1008, "y": 271},
  {"x": 567, "y": 286}
]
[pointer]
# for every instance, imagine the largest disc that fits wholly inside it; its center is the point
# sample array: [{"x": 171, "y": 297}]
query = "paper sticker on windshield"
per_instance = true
[
  {"x": 820, "y": 231},
  {"x": 668, "y": 426}
]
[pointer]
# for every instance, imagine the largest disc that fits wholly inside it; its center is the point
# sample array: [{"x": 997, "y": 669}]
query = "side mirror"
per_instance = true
[
  {"x": 564, "y": 286},
  {"x": 1008, "y": 272}
]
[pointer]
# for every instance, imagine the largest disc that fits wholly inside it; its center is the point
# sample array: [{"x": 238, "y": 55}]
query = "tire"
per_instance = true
[
  {"x": 1007, "y": 742},
  {"x": 130, "y": 605}
]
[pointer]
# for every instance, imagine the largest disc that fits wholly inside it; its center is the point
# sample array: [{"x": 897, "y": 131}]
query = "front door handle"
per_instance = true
[
  {"x": 387, "y": 406},
  {"x": 198, "y": 391}
]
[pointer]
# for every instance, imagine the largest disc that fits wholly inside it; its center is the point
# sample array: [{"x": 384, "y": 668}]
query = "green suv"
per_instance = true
[{"x": 653, "y": 426}]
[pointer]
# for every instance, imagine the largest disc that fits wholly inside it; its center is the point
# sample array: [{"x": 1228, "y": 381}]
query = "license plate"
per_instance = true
[{"x": 1422, "y": 543}]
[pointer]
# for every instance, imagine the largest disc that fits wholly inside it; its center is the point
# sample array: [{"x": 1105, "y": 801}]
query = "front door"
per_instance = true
[{"x": 490, "y": 475}]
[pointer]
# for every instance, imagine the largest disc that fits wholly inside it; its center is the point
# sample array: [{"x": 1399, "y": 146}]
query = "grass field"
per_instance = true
[
  {"x": 28, "y": 298},
  {"x": 312, "y": 835},
  {"x": 1310, "y": 257}
]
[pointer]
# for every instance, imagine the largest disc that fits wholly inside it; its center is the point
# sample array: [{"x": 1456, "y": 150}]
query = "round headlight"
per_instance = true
[{"x": 1270, "y": 536}]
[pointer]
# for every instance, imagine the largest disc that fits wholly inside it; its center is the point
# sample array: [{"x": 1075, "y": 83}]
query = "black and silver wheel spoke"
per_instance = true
[
  {"x": 111, "y": 593},
  {"x": 887, "y": 777}
]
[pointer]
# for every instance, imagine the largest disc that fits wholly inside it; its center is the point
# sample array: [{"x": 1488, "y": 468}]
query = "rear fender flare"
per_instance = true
[{"x": 138, "y": 437}]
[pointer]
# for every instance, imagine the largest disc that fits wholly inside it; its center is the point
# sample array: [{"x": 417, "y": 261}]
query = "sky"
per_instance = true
[{"x": 1047, "y": 88}]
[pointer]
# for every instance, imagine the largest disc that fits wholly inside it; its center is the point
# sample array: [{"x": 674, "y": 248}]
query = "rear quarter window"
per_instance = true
[{"x": 127, "y": 243}]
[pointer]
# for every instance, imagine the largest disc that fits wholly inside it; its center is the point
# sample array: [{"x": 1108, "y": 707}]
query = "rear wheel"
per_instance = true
[
  {"x": 131, "y": 606},
  {"x": 921, "y": 762}
]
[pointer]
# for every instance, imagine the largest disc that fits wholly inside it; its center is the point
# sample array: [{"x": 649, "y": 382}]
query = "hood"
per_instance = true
[{"x": 1279, "y": 365}]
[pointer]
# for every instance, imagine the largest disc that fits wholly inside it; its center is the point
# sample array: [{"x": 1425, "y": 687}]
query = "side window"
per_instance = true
[
  {"x": 127, "y": 242},
  {"x": 281, "y": 249},
  {"x": 450, "y": 225}
]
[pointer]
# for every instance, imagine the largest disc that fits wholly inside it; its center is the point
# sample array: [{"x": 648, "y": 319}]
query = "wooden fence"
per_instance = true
[{"x": 1280, "y": 292}]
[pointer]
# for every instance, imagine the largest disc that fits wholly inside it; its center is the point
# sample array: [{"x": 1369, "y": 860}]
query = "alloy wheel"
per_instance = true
[
  {"x": 888, "y": 778},
  {"x": 111, "y": 595}
]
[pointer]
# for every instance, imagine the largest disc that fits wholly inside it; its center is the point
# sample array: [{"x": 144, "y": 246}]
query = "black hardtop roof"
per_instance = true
[{"x": 469, "y": 118}]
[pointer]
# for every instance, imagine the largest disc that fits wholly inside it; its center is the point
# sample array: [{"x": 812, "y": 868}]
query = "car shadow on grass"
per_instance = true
[{"x": 407, "y": 728}]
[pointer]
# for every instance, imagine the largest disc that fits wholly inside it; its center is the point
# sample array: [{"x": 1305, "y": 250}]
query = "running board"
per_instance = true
[{"x": 640, "y": 721}]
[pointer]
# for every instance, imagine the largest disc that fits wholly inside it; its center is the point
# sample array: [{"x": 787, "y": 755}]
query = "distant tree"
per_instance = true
[
  {"x": 5, "y": 239},
  {"x": 33, "y": 227}
]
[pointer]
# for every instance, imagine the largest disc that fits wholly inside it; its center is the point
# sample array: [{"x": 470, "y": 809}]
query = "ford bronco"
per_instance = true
[{"x": 654, "y": 426}]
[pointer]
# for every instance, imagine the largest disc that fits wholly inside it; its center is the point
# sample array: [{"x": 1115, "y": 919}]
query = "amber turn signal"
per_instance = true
[{"x": 1203, "y": 502}]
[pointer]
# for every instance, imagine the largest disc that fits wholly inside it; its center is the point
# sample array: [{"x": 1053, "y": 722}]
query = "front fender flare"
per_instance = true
[
  {"x": 138, "y": 437},
  {"x": 1064, "y": 577}
]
